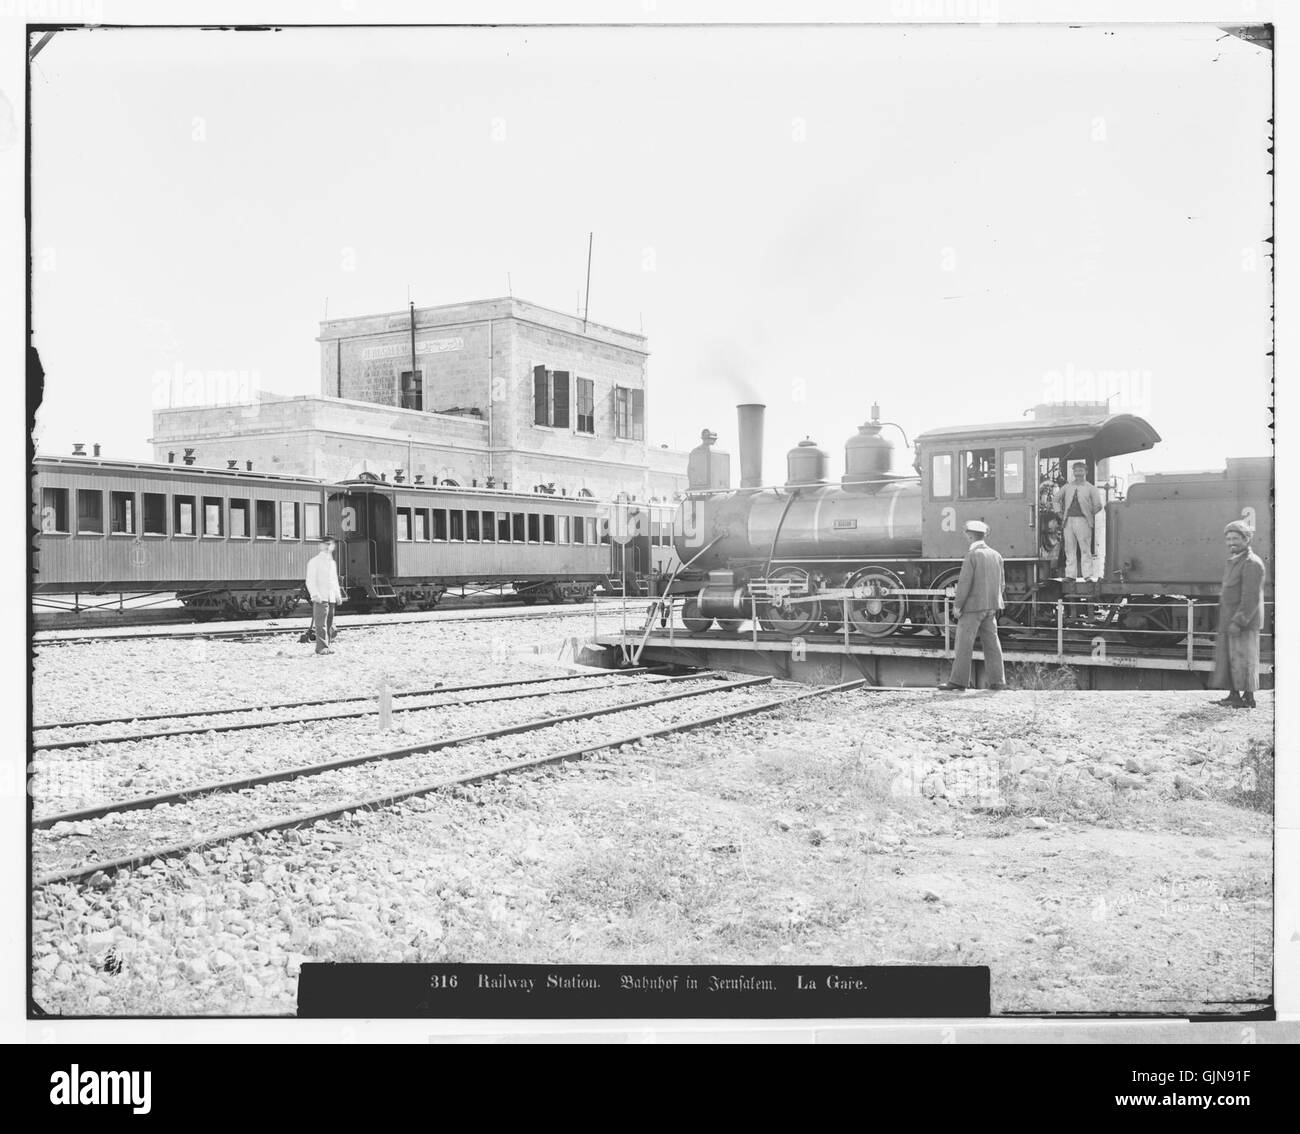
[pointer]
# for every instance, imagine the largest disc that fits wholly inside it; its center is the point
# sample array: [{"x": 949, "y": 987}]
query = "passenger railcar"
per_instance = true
[{"x": 225, "y": 541}]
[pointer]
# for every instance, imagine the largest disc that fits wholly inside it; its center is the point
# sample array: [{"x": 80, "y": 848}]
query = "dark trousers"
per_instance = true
[
  {"x": 984, "y": 625},
  {"x": 322, "y": 623}
]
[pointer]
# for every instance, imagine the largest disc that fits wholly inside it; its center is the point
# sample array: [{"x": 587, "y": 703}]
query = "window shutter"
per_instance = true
[
  {"x": 561, "y": 383},
  {"x": 638, "y": 415},
  {"x": 539, "y": 396}
]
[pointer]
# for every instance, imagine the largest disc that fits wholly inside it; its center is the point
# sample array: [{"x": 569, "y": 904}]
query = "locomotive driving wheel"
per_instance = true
[
  {"x": 873, "y": 611},
  {"x": 935, "y": 604},
  {"x": 781, "y": 613}
]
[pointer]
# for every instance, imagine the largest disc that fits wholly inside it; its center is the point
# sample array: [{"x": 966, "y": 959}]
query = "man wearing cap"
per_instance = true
[
  {"x": 1077, "y": 503},
  {"x": 325, "y": 593},
  {"x": 1241, "y": 615},
  {"x": 976, "y": 603}
]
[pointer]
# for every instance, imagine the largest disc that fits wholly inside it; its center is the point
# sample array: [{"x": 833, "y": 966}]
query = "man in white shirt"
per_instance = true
[{"x": 325, "y": 593}]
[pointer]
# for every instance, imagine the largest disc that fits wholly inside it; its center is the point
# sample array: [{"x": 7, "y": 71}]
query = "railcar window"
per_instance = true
[
  {"x": 563, "y": 536},
  {"x": 403, "y": 525},
  {"x": 212, "y": 510},
  {"x": 183, "y": 515},
  {"x": 503, "y": 527},
  {"x": 121, "y": 513},
  {"x": 266, "y": 519},
  {"x": 154, "y": 513},
  {"x": 489, "y": 527},
  {"x": 579, "y": 529},
  {"x": 517, "y": 531},
  {"x": 457, "y": 523},
  {"x": 548, "y": 529},
  {"x": 604, "y": 531},
  {"x": 941, "y": 476},
  {"x": 311, "y": 521},
  {"x": 422, "y": 525},
  {"x": 534, "y": 528},
  {"x": 239, "y": 519},
  {"x": 471, "y": 525},
  {"x": 1013, "y": 472},
  {"x": 54, "y": 509},
  {"x": 440, "y": 523},
  {"x": 90, "y": 511},
  {"x": 979, "y": 474},
  {"x": 289, "y": 519}
]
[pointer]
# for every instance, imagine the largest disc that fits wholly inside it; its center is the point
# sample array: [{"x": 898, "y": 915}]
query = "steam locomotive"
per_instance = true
[{"x": 887, "y": 548}]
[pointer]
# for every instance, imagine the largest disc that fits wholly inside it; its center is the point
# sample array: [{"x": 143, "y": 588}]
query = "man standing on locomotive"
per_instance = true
[
  {"x": 1077, "y": 503},
  {"x": 1241, "y": 616},
  {"x": 976, "y": 603},
  {"x": 325, "y": 593}
]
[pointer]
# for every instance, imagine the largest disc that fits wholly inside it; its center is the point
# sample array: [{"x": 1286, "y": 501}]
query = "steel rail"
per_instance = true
[
  {"x": 335, "y": 700},
  {"x": 176, "y": 849},
  {"x": 354, "y": 714},
  {"x": 184, "y": 795}
]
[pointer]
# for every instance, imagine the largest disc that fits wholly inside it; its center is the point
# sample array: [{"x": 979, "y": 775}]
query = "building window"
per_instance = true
[
  {"x": 457, "y": 523},
  {"x": 979, "y": 474},
  {"x": 154, "y": 512},
  {"x": 121, "y": 513},
  {"x": 585, "y": 409},
  {"x": 212, "y": 510},
  {"x": 503, "y": 527},
  {"x": 412, "y": 390},
  {"x": 183, "y": 515},
  {"x": 311, "y": 521},
  {"x": 489, "y": 527},
  {"x": 579, "y": 529},
  {"x": 54, "y": 509},
  {"x": 941, "y": 476},
  {"x": 550, "y": 397},
  {"x": 440, "y": 523},
  {"x": 239, "y": 519},
  {"x": 288, "y": 519},
  {"x": 266, "y": 519},
  {"x": 629, "y": 413},
  {"x": 471, "y": 525},
  {"x": 548, "y": 529},
  {"x": 534, "y": 528},
  {"x": 422, "y": 525},
  {"x": 563, "y": 529},
  {"x": 1013, "y": 472},
  {"x": 403, "y": 525},
  {"x": 517, "y": 532}
]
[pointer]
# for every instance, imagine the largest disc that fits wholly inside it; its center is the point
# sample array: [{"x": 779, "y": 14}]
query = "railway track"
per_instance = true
[
  {"x": 219, "y": 720},
  {"x": 252, "y": 632},
  {"x": 94, "y": 842}
]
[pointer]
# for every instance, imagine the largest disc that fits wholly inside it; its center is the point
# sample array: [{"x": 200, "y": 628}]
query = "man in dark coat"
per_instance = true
[
  {"x": 976, "y": 603},
  {"x": 1241, "y": 615}
]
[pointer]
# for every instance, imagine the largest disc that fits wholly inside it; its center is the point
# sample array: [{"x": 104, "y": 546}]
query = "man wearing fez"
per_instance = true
[
  {"x": 1241, "y": 615},
  {"x": 325, "y": 593},
  {"x": 1077, "y": 503},
  {"x": 976, "y": 603}
]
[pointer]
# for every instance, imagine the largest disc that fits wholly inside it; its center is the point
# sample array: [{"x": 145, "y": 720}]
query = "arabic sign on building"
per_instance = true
[{"x": 422, "y": 346}]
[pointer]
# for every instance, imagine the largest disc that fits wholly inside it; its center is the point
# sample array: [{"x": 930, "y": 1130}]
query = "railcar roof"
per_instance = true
[
  {"x": 1102, "y": 436},
  {"x": 173, "y": 469}
]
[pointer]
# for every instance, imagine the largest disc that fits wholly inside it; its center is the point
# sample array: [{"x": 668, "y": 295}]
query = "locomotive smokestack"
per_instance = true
[{"x": 750, "y": 419}]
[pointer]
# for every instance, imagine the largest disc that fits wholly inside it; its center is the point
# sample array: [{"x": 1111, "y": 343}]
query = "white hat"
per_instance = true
[{"x": 977, "y": 526}]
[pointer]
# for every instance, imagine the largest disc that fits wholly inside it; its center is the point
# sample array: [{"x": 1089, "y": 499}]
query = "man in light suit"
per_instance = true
[
  {"x": 976, "y": 603},
  {"x": 325, "y": 592},
  {"x": 1078, "y": 503}
]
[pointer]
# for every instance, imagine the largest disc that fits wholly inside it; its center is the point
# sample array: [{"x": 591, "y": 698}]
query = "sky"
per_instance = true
[{"x": 955, "y": 222}]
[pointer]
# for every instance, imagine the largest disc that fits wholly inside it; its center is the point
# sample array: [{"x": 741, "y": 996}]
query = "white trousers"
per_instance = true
[{"x": 1079, "y": 560}]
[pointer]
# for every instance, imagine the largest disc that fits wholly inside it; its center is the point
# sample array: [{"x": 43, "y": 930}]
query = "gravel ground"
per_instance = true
[
  {"x": 1102, "y": 852},
  {"x": 114, "y": 679},
  {"x": 69, "y": 845}
]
